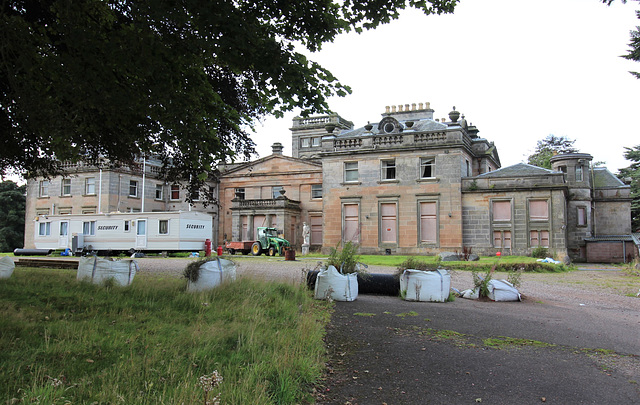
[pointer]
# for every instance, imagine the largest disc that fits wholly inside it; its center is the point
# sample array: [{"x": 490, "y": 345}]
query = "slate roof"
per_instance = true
[
  {"x": 518, "y": 170},
  {"x": 603, "y": 178},
  {"x": 419, "y": 125},
  {"x": 611, "y": 238}
]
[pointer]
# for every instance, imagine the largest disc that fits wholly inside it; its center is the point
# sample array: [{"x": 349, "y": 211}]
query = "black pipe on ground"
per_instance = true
[
  {"x": 32, "y": 252},
  {"x": 378, "y": 284}
]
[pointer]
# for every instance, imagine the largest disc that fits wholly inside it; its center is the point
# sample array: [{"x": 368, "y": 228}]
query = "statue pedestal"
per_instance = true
[{"x": 305, "y": 249}]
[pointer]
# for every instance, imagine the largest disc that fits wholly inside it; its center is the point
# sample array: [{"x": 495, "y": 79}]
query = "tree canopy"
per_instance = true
[
  {"x": 548, "y": 147},
  {"x": 634, "y": 45},
  {"x": 12, "y": 205},
  {"x": 632, "y": 173},
  {"x": 183, "y": 80}
]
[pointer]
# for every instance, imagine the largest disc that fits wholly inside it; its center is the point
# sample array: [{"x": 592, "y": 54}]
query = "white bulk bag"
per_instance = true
[
  {"x": 420, "y": 285},
  {"x": 212, "y": 274},
  {"x": 339, "y": 287},
  {"x": 502, "y": 290},
  {"x": 6, "y": 267},
  {"x": 98, "y": 270}
]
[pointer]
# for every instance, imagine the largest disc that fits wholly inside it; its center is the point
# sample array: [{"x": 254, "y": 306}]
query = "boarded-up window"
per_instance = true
[
  {"x": 502, "y": 239},
  {"x": 351, "y": 231},
  {"x": 539, "y": 238},
  {"x": 582, "y": 216},
  {"x": 175, "y": 192},
  {"x": 502, "y": 210},
  {"x": 245, "y": 228},
  {"x": 258, "y": 220},
  {"x": 316, "y": 230},
  {"x": 538, "y": 210},
  {"x": 388, "y": 223},
  {"x": 428, "y": 230}
]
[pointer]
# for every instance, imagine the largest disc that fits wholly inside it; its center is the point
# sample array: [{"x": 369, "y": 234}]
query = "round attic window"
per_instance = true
[{"x": 389, "y": 127}]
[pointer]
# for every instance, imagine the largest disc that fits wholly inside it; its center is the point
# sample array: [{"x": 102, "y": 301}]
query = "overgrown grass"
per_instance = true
[{"x": 64, "y": 340}]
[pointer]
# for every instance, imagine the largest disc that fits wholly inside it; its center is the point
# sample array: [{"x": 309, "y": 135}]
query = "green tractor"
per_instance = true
[{"x": 269, "y": 243}]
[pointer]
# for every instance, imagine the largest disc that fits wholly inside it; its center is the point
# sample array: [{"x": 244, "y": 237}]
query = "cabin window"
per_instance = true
[
  {"x": 316, "y": 191},
  {"x": 388, "y": 168},
  {"x": 163, "y": 226},
  {"x": 175, "y": 191},
  {"x": 127, "y": 226},
  {"x": 44, "y": 189},
  {"x": 44, "y": 229},
  {"x": 159, "y": 191},
  {"x": 133, "y": 188},
  {"x": 66, "y": 187},
  {"x": 64, "y": 228},
  {"x": 90, "y": 186},
  {"x": 89, "y": 228}
]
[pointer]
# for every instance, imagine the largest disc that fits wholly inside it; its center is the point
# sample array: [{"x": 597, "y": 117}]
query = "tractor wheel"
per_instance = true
[
  {"x": 272, "y": 251},
  {"x": 256, "y": 249},
  {"x": 232, "y": 251}
]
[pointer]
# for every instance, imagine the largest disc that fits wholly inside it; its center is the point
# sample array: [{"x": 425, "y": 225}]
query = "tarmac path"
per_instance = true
[{"x": 574, "y": 339}]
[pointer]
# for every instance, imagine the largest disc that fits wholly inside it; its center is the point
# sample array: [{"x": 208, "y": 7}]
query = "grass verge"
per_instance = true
[{"x": 65, "y": 341}]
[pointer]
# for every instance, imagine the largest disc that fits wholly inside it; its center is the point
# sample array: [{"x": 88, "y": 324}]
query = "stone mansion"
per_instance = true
[{"x": 407, "y": 184}]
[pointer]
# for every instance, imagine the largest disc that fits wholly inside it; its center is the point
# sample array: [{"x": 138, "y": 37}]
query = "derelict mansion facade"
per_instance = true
[{"x": 409, "y": 184}]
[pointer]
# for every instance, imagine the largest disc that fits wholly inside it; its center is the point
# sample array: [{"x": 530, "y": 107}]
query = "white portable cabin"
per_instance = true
[{"x": 140, "y": 231}]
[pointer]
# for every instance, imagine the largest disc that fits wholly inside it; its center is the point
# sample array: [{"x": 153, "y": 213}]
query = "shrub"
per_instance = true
[
  {"x": 481, "y": 281},
  {"x": 415, "y": 264},
  {"x": 540, "y": 252},
  {"x": 346, "y": 259}
]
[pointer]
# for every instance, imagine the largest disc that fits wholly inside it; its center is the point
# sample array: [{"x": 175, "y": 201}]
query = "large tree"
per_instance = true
[
  {"x": 634, "y": 45},
  {"x": 12, "y": 203},
  {"x": 548, "y": 147},
  {"x": 182, "y": 79},
  {"x": 632, "y": 174}
]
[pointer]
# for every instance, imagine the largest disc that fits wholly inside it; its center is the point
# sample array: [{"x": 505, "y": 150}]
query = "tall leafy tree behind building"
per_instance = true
[
  {"x": 548, "y": 147},
  {"x": 632, "y": 174},
  {"x": 185, "y": 80},
  {"x": 12, "y": 205}
]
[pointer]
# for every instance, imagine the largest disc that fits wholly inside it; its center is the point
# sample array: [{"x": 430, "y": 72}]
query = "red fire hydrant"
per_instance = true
[
  {"x": 207, "y": 247},
  {"x": 219, "y": 250}
]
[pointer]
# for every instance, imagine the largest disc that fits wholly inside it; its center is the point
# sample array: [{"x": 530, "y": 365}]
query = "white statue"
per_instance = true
[{"x": 306, "y": 233}]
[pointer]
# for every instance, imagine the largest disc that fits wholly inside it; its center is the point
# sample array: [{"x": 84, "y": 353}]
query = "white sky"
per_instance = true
[{"x": 518, "y": 70}]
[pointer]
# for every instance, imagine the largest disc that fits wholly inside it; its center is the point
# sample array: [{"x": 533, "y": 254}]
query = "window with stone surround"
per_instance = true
[
  {"x": 43, "y": 190},
  {"x": 351, "y": 223},
  {"x": 65, "y": 187},
  {"x": 305, "y": 142},
  {"x": 315, "y": 141},
  {"x": 388, "y": 169},
  {"x": 316, "y": 191},
  {"x": 428, "y": 222},
  {"x": 350, "y": 172},
  {"x": 501, "y": 223},
  {"x": 133, "y": 188},
  {"x": 240, "y": 193},
  {"x": 427, "y": 168},
  {"x": 316, "y": 229},
  {"x": 579, "y": 176},
  {"x": 175, "y": 192},
  {"x": 90, "y": 186},
  {"x": 275, "y": 191},
  {"x": 502, "y": 239},
  {"x": 388, "y": 223},
  {"x": 538, "y": 210},
  {"x": 159, "y": 191},
  {"x": 582, "y": 216},
  {"x": 539, "y": 238}
]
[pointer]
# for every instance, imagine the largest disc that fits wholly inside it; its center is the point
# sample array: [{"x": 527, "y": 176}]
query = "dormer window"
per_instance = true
[{"x": 389, "y": 127}]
